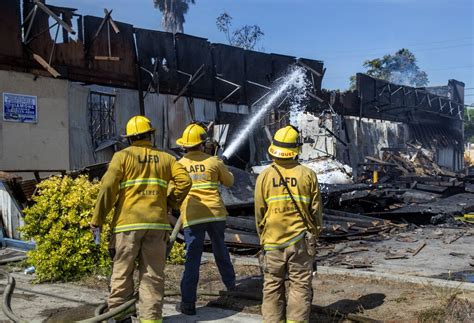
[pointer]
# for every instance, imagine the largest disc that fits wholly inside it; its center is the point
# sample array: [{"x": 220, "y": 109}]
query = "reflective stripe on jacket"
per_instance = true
[
  {"x": 279, "y": 224},
  {"x": 203, "y": 203},
  {"x": 136, "y": 183}
]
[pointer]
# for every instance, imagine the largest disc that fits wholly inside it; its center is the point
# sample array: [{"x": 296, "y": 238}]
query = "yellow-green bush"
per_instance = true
[
  {"x": 177, "y": 254},
  {"x": 59, "y": 224}
]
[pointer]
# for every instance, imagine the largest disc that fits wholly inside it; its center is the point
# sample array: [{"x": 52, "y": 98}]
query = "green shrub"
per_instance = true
[
  {"x": 59, "y": 224},
  {"x": 177, "y": 254}
]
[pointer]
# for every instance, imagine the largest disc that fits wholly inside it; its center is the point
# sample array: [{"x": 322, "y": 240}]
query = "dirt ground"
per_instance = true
[
  {"x": 334, "y": 295},
  {"x": 371, "y": 298}
]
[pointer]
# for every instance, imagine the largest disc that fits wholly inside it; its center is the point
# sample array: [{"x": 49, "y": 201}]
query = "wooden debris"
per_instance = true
[
  {"x": 106, "y": 58},
  {"x": 353, "y": 264},
  {"x": 390, "y": 256},
  {"x": 45, "y": 65},
  {"x": 353, "y": 249},
  {"x": 454, "y": 238},
  {"x": 54, "y": 16},
  {"x": 418, "y": 249}
]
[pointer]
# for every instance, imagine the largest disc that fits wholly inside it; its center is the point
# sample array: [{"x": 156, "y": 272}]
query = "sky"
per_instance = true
[{"x": 341, "y": 33}]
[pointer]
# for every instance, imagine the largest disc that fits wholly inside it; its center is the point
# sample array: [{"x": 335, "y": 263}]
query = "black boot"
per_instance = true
[{"x": 186, "y": 308}]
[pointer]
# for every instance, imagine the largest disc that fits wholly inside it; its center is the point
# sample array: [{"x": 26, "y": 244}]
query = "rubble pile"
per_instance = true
[
  {"x": 413, "y": 161},
  {"x": 411, "y": 189}
]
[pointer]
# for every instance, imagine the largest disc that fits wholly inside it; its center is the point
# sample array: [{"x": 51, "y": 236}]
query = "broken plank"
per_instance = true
[
  {"x": 418, "y": 249},
  {"x": 55, "y": 17},
  {"x": 456, "y": 237},
  {"x": 356, "y": 216},
  {"x": 379, "y": 161},
  {"x": 107, "y": 58},
  {"x": 354, "y": 265},
  {"x": 240, "y": 238},
  {"x": 395, "y": 256},
  {"x": 431, "y": 188},
  {"x": 241, "y": 223},
  {"x": 46, "y": 66},
  {"x": 354, "y": 249},
  {"x": 111, "y": 21}
]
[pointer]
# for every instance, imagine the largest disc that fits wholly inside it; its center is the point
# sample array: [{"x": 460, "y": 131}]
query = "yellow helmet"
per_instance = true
[
  {"x": 192, "y": 136},
  {"x": 286, "y": 143},
  {"x": 138, "y": 125}
]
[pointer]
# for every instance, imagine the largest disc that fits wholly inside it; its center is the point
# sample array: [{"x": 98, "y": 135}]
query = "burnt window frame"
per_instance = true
[{"x": 101, "y": 111}]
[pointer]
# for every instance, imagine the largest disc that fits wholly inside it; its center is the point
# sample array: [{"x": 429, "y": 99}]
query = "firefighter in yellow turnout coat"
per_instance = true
[
  {"x": 203, "y": 211},
  {"x": 136, "y": 184},
  {"x": 288, "y": 225}
]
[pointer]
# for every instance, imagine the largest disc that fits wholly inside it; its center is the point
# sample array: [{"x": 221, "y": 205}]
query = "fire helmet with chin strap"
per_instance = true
[
  {"x": 138, "y": 125},
  {"x": 286, "y": 143},
  {"x": 193, "y": 135}
]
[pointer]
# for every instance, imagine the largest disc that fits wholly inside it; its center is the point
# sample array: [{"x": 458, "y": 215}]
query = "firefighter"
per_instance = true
[
  {"x": 203, "y": 211},
  {"x": 288, "y": 215},
  {"x": 136, "y": 184}
]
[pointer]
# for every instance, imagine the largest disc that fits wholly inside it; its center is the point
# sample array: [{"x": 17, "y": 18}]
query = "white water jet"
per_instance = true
[{"x": 295, "y": 83}]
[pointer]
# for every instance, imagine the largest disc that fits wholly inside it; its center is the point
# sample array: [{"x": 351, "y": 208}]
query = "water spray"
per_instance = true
[{"x": 295, "y": 83}]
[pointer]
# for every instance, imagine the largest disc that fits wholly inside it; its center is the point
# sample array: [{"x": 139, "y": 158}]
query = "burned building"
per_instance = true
[
  {"x": 73, "y": 81},
  {"x": 70, "y": 83},
  {"x": 85, "y": 76},
  {"x": 381, "y": 117}
]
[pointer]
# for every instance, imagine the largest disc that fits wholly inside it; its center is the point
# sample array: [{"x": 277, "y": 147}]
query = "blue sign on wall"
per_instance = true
[{"x": 20, "y": 108}]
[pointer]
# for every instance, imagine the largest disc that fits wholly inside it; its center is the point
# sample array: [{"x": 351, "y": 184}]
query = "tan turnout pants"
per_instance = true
[
  {"x": 294, "y": 261},
  {"x": 149, "y": 247}
]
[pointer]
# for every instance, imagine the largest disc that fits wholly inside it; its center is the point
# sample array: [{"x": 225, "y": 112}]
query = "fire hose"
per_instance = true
[
  {"x": 98, "y": 315},
  {"x": 6, "y": 299}
]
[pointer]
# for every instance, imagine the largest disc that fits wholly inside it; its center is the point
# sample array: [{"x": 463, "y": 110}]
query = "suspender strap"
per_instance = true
[{"x": 292, "y": 198}]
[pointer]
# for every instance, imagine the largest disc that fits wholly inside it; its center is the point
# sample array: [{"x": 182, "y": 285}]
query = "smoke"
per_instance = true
[
  {"x": 399, "y": 68},
  {"x": 403, "y": 70}
]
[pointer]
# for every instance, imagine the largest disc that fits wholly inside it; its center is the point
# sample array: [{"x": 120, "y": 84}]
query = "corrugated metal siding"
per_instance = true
[
  {"x": 179, "y": 116},
  {"x": 451, "y": 158},
  {"x": 81, "y": 151},
  {"x": 234, "y": 108},
  {"x": 204, "y": 110},
  {"x": 154, "y": 110},
  {"x": 10, "y": 212},
  {"x": 367, "y": 138},
  {"x": 81, "y": 148},
  {"x": 126, "y": 106},
  {"x": 445, "y": 157}
]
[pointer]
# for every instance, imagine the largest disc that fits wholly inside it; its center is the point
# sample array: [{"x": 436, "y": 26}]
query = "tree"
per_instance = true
[
  {"x": 246, "y": 36},
  {"x": 469, "y": 124},
  {"x": 173, "y": 13},
  {"x": 399, "y": 68}
]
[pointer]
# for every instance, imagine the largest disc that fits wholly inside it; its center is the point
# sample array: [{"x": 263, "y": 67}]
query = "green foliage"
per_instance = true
[
  {"x": 469, "y": 125},
  {"x": 59, "y": 224},
  {"x": 177, "y": 254},
  {"x": 399, "y": 68}
]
